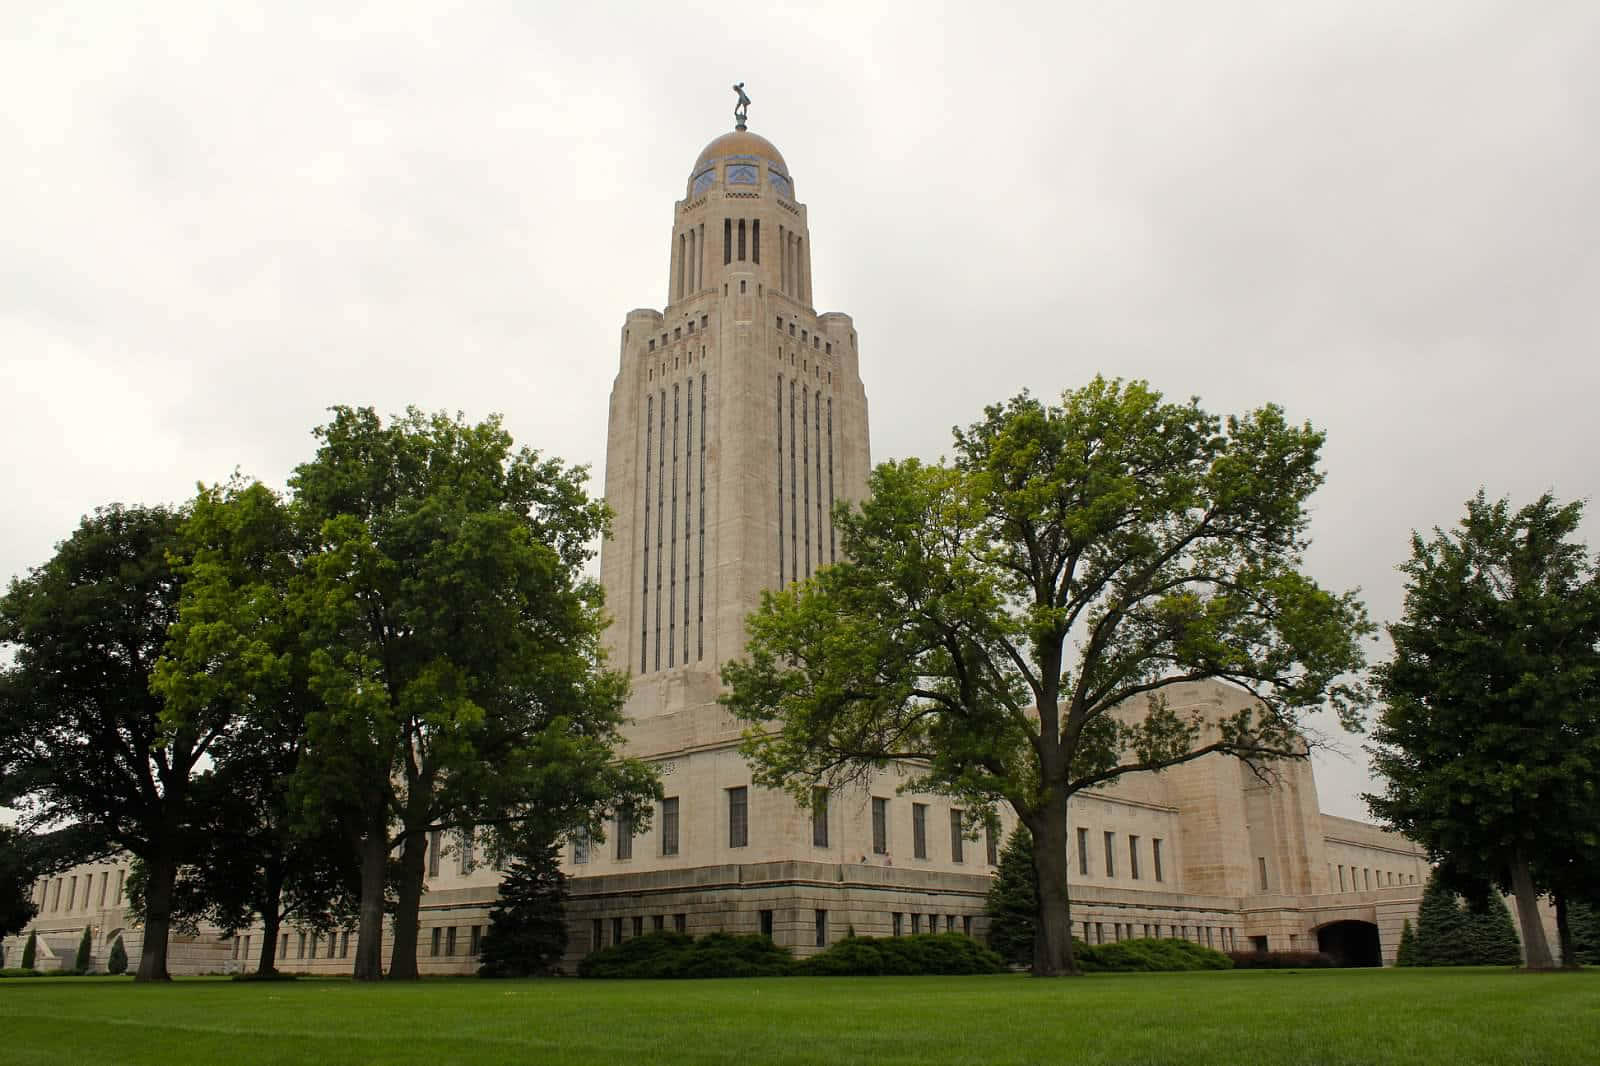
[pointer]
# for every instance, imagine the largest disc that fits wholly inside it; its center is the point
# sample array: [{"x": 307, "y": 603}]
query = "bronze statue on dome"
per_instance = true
[{"x": 741, "y": 110}]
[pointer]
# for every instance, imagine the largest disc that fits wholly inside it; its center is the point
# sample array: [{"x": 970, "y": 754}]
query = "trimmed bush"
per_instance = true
[
  {"x": 677, "y": 955},
  {"x": 1281, "y": 960},
  {"x": 926, "y": 953},
  {"x": 1148, "y": 954},
  {"x": 30, "y": 951},
  {"x": 117, "y": 963},
  {"x": 1406, "y": 953},
  {"x": 85, "y": 944},
  {"x": 18, "y": 971}
]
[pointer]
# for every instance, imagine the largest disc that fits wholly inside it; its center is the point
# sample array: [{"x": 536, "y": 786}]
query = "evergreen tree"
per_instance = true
[
  {"x": 1441, "y": 927},
  {"x": 81, "y": 962},
  {"x": 527, "y": 932},
  {"x": 1491, "y": 935},
  {"x": 30, "y": 951},
  {"x": 1013, "y": 900},
  {"x": 1406, "y": 954},
  {"x": 117, "y": 963}
]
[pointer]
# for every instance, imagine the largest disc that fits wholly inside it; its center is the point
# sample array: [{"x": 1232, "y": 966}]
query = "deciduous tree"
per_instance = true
[
  {"x": 1013, "y": 623},
  {"x": 82, "y": 741},
  {"x": 1490, "y": 732}
]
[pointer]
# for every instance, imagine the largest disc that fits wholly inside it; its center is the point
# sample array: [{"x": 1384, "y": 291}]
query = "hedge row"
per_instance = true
[
  {"x": 1148, "y": 955},
  {"x": 1280, "y": 960},
  {"x": 676, "y": 955}
]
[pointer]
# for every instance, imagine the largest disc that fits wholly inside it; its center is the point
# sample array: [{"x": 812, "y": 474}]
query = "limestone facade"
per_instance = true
[{"x": 737, "y": 421}]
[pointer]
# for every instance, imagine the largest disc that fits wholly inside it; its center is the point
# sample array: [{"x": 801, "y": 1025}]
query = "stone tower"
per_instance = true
[{"x": 737, "y": 421}]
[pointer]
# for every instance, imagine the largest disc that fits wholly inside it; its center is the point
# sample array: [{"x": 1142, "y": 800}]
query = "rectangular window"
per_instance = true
[
  {"x": 469, "y": 861},
  {"x": 658, "y": 923},
  {"x": 822, "y": 929},
  {"x": 616, "y": 930},
  {"x": 477, "y": 941},
  {"x": 105, "y": 880},
  {"x": 580, "y": 847},
  {"x": 880, "y": 826},
  {"x": 819, "y": 817},
  {"x": 1155, "y": 857},
  {"x": 898, "y": 922},
  {"x": 624, "y": 837},
  {"x": 919, "y": 830},
  {"x": 283, "y": 945},
  {"x": 955, "y": 835},
  {"x": 313, "y": 952},
  {"x": 1083, "y": 852},
  {"x": 450, "y": 941},
  {"x": 766, "y": 924},
  {"x": 638, "y": 925},
  {"x": 738, "y": 817},
  {"x": 1099, "y": 932},
  {"x": 1111, "y": 854},
  {"x": 966, "y": 924},
  {"x": 1261, "y": 861},
  {"x": 595, "y": 935},
  {"x": 991, "y": 846},
  {"x": 1133, "y": 857},
  {"x": 333, "y": 945},
  {"x": 1366, "y": 875},
  {"x": 680, "y": 923},
  {"x": 300, "y": 947},
  {"x": 435, "y": 838},
  {"x": 119, "y": 886},
  {"x": 438, "y": 935},
  {"x": 72, "y": 891},
  {"x": 1341, "y": 879},
  {"x": 727, "y": 241},
  {"x": 669, "y": 826},
  {"x": 916, "y": 924}
]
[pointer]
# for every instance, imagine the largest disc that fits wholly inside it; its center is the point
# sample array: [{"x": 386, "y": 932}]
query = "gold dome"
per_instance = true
[{"x": 740, "y": 142}]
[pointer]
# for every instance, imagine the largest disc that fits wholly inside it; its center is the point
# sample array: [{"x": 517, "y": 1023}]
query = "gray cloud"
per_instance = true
[{"x": 219, "y": 222}]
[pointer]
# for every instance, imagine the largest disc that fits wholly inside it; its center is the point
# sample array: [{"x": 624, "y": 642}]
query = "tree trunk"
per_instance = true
[
  {"x": 369, "y": 936},
  {"x": 403, "y": 960},
  {"x": 1569, "y": 955},
  {"x": 1052, "y": 939},
  {"x": 271, "y": 910},
  {"x": 162, "y": 875},
  {"x": 1535, "y": 946}
]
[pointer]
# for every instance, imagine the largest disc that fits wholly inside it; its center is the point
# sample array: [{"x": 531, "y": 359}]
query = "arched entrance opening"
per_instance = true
[{"x": 1351, "y": 943}]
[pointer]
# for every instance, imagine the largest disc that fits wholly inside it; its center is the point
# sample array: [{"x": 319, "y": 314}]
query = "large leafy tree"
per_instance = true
[
  {"x": 1489, "y": 738},
  {"x": 452, "y": 648},
  {"x": 18, "y": 872},
  {"x": 237, "y": 639},
  {"x": 1014, "y": 622},
  {"x": 81, "y": 734}
]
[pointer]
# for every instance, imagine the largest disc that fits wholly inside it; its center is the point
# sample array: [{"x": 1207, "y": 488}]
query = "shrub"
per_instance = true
[
  {"x": 677, "y": 955},
  {"x": 30, "y": 951},
  {"x": 85, "y": 944},
  {"x": 1281, "y": 960},
  {"x": 117, "y": 963},
  {"x": 19, "y": 971},
  {"x": 270, "y": 975},
  {"x": 927, "y": 953},
  {"x": 1148, "y": 954},
  {"x": 1406, "y": 953},
  {"x": 527, "y": 928},
  {"x": 1013, "y": 901}
]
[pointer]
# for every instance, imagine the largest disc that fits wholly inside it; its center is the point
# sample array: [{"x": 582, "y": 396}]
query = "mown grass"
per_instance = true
[{"x": 1457, "y": 1017}]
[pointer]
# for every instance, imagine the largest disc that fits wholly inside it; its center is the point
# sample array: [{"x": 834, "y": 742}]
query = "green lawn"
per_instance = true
[{"x": 1456, "y": 1017}]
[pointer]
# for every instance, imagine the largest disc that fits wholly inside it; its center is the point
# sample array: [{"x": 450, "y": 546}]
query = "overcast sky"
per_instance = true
[{"x": 215, "y": 223}]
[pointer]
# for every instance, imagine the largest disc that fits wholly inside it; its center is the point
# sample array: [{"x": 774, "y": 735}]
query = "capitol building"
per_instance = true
[{"x": 737, "y": 421}]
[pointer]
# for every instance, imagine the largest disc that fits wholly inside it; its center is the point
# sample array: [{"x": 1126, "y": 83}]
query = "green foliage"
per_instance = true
[
  {"x": 20, "y": 971},
  {"x": 82, "y": 738},
  {"x": 30, "y": 951},
  {"x": 1148, "y": 954},
  {"x": 85, "y": 946},
  {"x": 1012, "y": 903},
  {"x": 1082, "y": 559},
  {"x": 117, "y": 961},
  {"x": 1584, "y": 920},
  {"x": 1281, "y": 960},
  {"x": 1450, "y": 934},
  {"x": 1406, "y": 953},
  {"x": 677, "y": 955},
  {"x": 527, "y": 933},
  {"x": 18, "y": 870},
  {"x": 927, "y": 953},
  {"x": 1489, "y": 738}
]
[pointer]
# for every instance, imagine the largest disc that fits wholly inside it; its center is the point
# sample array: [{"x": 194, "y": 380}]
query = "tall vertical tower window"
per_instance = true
[
  {"x": 672, "y": 540},
  {"x": 755, "y": 241},
  {"x": 661, "y": 505},
  {"x": 880, "y": 825},
  {"x": 805, "y": 470},
  {"x": 816, "y": 419},
  {"x": 700, "y": 625},
  {"x": 727, "y": 241},
  {"x": 688, "y": 507},
  {"x": 738, "y": 817},
  {"x": 780, "y": 481},
  {"x": 794, "y": 522},
  {"x": 833, "y": 555},
  {"x": 819, "y": 817},
  {"x": 741, "y": 240},
  {"x": 644, "y": 596}
]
